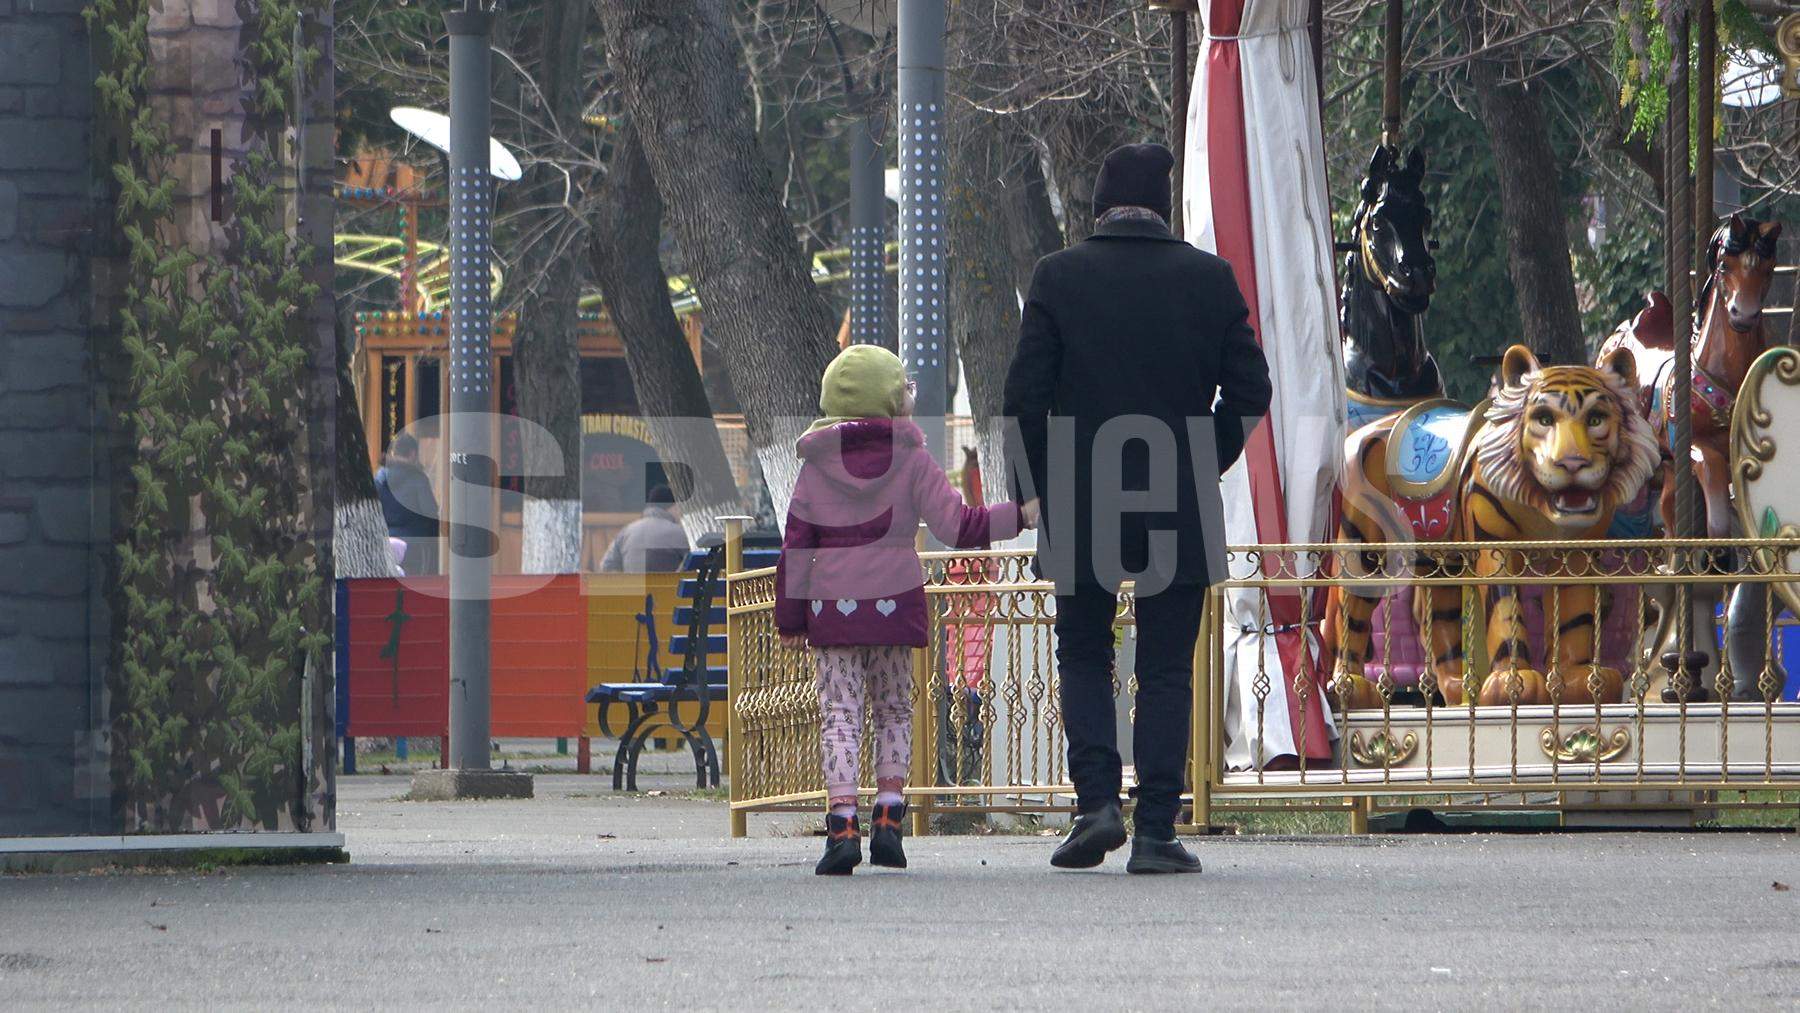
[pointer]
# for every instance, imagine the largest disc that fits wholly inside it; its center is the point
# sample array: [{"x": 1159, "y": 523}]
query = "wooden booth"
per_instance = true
[{"x": 403, "y": 380}]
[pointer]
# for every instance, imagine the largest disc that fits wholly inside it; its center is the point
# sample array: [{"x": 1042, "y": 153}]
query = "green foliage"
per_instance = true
[
  {"x": 1615, "y": 275},
  {"x": 218, "y": 582},
  {"x": 1643, "y": 54},
  {"x": 1475, "y": 312}
]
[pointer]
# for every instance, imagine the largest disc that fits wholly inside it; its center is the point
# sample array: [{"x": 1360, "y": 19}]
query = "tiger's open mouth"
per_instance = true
[{"x": 1575, "y": 501}]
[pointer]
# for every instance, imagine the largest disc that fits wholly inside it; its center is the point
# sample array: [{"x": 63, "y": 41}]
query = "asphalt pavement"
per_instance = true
[{"x": 583, "y": 898}]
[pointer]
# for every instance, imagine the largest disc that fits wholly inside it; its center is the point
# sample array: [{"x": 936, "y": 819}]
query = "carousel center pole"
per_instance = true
[
  {"x": 1680, "y": 218},
  {"x": 1392, "y": 103},
  {"x": 472, "y": 466}
]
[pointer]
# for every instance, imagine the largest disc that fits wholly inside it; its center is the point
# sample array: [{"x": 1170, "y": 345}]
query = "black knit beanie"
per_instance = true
[{"x": 1135, "y": 175}]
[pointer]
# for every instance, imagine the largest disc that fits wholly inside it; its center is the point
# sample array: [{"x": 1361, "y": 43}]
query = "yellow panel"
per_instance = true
[{"x": 616, "y": 642}]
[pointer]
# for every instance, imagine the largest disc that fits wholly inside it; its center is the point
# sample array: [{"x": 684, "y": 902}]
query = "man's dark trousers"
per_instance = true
[{"x": 1167, "y": 625}]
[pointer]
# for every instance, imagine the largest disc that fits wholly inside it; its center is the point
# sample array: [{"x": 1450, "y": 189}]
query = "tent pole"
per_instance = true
[{"x": 1180, "y": 66}]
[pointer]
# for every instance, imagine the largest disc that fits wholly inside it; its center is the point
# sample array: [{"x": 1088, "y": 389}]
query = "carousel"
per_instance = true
[
  {"x": 1573, "y": 597},
  {"x": 1583, "y": 580}
]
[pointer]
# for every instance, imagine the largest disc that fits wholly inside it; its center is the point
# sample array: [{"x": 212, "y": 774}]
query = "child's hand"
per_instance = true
[
  {"x": 794, "y": 641},
  {"x": 1028, "y": 512}
]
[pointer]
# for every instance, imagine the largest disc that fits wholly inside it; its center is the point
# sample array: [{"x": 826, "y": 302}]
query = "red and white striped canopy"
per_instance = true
[{"x": 1254, "y": 192}]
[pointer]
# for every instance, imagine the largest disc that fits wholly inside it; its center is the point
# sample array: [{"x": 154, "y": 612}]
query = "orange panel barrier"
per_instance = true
[{"x": 539, "y": 662}]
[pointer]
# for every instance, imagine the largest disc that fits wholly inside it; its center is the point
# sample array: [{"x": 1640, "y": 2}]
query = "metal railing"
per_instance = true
[{"x": 987, "y": 735}]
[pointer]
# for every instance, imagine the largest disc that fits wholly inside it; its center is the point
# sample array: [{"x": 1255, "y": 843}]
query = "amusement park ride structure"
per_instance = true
[{"x": 400, "y": 352}]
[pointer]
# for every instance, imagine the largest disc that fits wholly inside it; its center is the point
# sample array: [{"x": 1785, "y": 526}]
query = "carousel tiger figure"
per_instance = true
[{"x": 1550, "y": 456}]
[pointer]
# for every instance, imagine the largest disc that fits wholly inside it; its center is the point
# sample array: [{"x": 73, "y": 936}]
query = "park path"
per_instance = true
[{"x": 583, "y": 898}]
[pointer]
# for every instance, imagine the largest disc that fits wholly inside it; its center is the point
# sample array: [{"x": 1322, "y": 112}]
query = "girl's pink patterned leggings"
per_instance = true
[{"x": 848, "y": 676}]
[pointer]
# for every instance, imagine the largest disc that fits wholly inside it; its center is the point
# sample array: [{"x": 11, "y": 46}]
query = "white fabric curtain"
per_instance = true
[{"x": 1280, "y": 167}]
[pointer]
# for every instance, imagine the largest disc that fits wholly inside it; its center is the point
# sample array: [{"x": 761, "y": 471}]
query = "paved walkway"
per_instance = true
[{"x": 583, "y": 898}]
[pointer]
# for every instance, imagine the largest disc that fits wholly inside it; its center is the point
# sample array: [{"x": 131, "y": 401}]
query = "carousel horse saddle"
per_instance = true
[
  {"x": 1362, "y": 409},
  {"x": 1426, "y": 450},
  {"x": 1709, "y": 409}
]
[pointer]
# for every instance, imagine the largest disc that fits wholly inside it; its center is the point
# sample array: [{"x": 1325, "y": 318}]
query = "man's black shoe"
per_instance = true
[
  {"x": 1151, "y": 856},
  {"x": 1090, "y": 838}
]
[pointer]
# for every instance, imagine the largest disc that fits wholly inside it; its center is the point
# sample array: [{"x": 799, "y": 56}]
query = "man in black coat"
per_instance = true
[{"x": 1126, "y": 341}]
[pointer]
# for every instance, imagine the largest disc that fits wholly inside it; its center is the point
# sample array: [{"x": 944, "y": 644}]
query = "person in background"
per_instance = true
[
  {"x": 654, "y": 543},
  {"x": 408, "y": 504}
]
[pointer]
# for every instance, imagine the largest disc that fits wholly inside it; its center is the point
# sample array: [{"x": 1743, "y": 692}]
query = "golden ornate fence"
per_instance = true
[{"x": 987, "y": 728}]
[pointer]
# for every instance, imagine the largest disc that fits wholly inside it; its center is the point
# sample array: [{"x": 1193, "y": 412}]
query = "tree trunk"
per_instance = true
[
  {"x": 1078, "y": 144},
  {"x": 359, "y": 535},
  {"x": 359, "y": 531},
  {"x": 317, "y": 211},
  {"x": 546, "y": 359},
  {"x": 1030, "y": 219},
  {"x": 990, "y": 178},
  {"x": 624, "y": 235},
  {"x": 1531, "y": 205},
  {"x": 678, "y": 62}
]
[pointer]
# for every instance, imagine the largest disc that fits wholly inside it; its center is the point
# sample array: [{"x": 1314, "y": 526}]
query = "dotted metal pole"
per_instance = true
[
  {"x": 924, "y": 327},
  {"x": 471, "y": 387},
  {"x": 868, "y": 235}
]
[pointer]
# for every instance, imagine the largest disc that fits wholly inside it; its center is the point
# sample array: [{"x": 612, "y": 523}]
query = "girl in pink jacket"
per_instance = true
[{"x": 849, "y": 583}]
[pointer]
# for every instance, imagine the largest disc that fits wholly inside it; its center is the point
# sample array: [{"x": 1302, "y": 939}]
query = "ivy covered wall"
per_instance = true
[
  {"x": 220, "y": 661},
  {"x": 167, "y": 374}
]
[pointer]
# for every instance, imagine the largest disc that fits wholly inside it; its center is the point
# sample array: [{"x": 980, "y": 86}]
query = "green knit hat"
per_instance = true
[{"x": 863, "y": 382}]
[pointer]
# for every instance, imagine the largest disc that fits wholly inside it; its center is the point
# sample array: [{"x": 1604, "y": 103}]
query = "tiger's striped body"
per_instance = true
[{"x": 1556, "y": 451}]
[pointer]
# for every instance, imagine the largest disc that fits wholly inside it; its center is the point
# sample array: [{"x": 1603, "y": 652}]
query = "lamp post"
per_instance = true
[
  {"x": 868, "y": 253},
  {"x": 472, "y": 465},
  {"x": 924, "y": 303}
]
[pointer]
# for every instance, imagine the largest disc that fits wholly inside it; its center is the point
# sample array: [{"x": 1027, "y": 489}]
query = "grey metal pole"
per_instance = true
[
  {"x": 471, "y": 386},
  {"x": 924, "y": 328},
  {"x": 868, "y": 235}
]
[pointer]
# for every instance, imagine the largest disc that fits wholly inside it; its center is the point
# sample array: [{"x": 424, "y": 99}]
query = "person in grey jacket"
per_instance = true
[{"x": 654, "y": 543}]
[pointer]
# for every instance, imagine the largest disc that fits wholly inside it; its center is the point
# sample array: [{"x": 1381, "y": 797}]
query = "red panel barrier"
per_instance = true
[{"x": 399, "y": 657}]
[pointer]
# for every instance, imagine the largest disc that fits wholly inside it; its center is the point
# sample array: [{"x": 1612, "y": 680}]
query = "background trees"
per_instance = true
[{"x": 720, "y": 153}]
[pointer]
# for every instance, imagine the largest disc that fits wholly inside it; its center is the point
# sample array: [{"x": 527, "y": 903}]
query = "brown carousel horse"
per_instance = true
[{"x": 1728, "y": 336}]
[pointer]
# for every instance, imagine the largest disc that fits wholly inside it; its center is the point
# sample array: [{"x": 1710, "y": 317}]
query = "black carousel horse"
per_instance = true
[{"x": 1389, "y": 277}]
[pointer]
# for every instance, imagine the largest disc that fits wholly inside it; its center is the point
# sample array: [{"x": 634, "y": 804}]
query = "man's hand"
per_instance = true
[
  {"x": 1028, "y": 512},
  {"x": 794, "y": 641}
]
